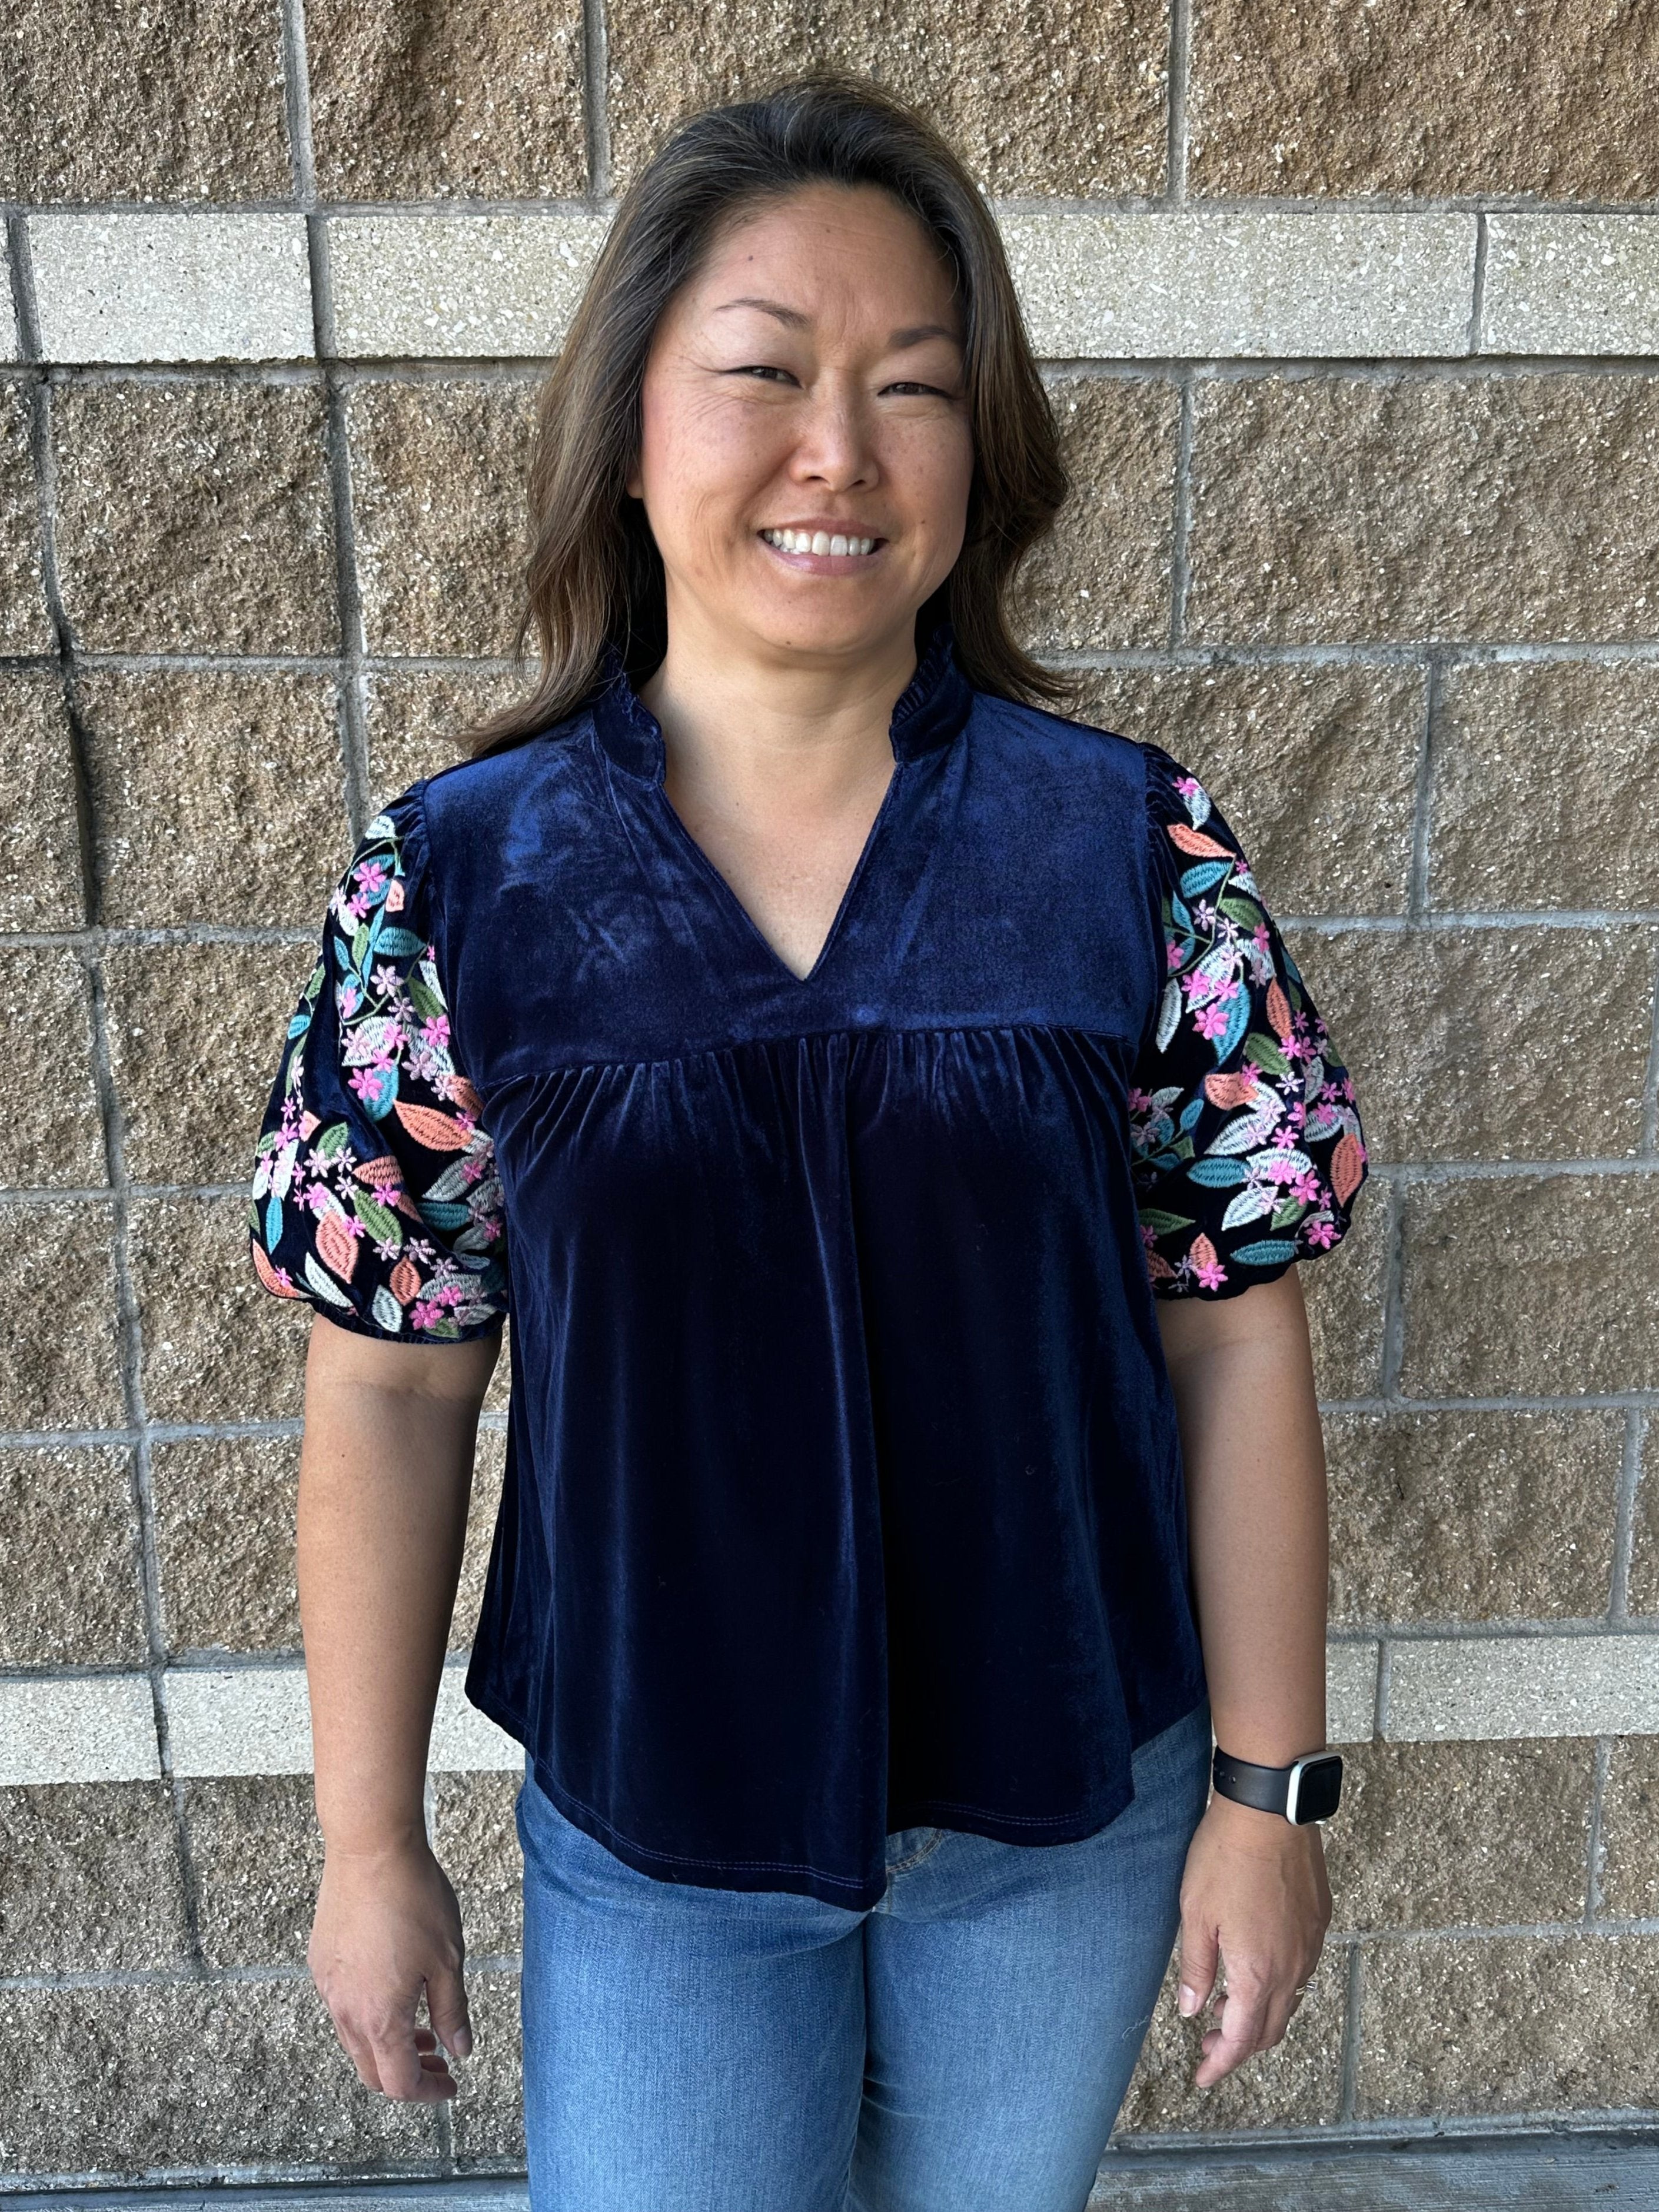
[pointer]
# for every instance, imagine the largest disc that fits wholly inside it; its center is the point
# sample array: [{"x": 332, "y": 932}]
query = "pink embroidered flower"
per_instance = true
[{"x": 1212, "y": 1274}]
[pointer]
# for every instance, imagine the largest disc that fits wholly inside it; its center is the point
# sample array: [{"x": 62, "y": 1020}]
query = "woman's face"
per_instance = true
[{"x": 808, "y": 378}]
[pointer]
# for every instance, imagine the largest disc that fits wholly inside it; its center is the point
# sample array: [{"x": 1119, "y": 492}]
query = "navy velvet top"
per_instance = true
[{"x": 843, "y": 1489}]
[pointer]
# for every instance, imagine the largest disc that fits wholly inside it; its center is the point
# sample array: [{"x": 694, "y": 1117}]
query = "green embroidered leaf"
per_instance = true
[
  {"x": 381, "y": 1221},
  {"x": 1162, "y": 1224},
  {"x": 1264, "y": 1050},
  {"x": 426, "y": 1001},
  {"x": 332, "y": 1140}
]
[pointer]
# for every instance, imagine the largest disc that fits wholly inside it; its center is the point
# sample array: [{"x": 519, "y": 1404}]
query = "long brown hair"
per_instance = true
[{"x": 593, "y": 576}]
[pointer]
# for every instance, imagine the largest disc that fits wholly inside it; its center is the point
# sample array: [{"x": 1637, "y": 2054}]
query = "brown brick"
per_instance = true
[
  {"x": 1531, "y": 1283},
  {"x": 476, "y": 1837},
  {"x": 1491, "y": 1044},
  {"x": 1050, "y": 96},
  {"x": 73, "y": 1592},
  {"x": 1102, "y": 580},
  {"x": 487, "y": 2111},
  {"x": 1481, "y": 1515},
  {"x": 1342, "y": 1289},
  {"x": 217, "y": 1345},
  {"x": 59, "y": 1337},
  {"x": 1336, "y": 506},
  {"x": 196, "y": 1035},
  {"x": 219, "y": 797},
  {"x": 258, "y": 1858},
  {"x": 416, "y": 718},
  {"x": 1644, "y": 1595},
  {"x": 1508, "y": 2024},
  {"x": 1434, "y": 1835},
  {"x": 487, "y": 1466},
  {"x": 40, "y": 882},
  {"x": 100, "y": 2084},
  {"x": 127, "y": 103},
  {"x": 48, "y": 1097},
  {"x": 24, "y": 626},
  {"x": 1314, "y": 768},
  {"x": 1544, "y": 793},
  {"x": 194, "y": 515},
  {"x": 1297, "y": 2083},
  {"x": 439, "y": 470},
  {"x": 417, "y": 104},
  {"x": 1630, "y": 1830},
  {"x": 92, "y": 1879},
  {"x": 224, "y": 1536},
  {"x": 1462, "y": 96}
]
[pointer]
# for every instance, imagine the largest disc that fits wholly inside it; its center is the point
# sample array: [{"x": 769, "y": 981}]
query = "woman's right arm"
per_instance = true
[{"x": 385, "y": 1473}]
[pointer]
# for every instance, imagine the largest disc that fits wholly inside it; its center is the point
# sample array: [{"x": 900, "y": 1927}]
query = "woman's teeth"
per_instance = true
[{"x": 815, "y": 541}]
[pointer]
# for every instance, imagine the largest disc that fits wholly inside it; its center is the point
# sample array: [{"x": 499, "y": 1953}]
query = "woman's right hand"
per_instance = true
[{"x": 387, "y": 1924}]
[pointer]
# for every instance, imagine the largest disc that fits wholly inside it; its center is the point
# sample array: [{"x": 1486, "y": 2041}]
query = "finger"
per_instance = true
[
  {"x": 1238, "y": 2033},
  {"x": 361, "y": 2052},
  {"x": 1201, "y": 1953},
  {"x": 398, "y": 2062},
  {"x": 445, "y": 2005}
]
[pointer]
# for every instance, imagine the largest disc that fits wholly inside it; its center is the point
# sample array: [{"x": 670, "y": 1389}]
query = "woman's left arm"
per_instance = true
[{"x": 1254, "y": 1894}]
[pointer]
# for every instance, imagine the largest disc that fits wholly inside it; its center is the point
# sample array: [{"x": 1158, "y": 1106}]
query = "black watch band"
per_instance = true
[{"x": 1309, "y": 1789}]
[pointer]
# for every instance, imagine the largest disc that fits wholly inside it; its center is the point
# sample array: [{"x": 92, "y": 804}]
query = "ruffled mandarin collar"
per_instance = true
[{"x": 929, "y": 711}]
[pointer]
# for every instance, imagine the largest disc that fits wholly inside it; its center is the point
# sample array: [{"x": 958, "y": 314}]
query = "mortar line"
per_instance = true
[
  {"x": 1180, "y": 72},
  {"x": 296, "y": 101},
  {"x": 1650, "y": 1080},
  {"x": 1478, "y": 295},
  {"x": 1349, "y": 2069},
  {"x": 596, "y": 105},
  {"x": 1595, "y": 1843},
  {"x": 1394, "y": 1287},
  {"x": 1384, "y": 1681},
  {"x": 1181, "y": 521},
  {"x": 1624, "y": 1523}
]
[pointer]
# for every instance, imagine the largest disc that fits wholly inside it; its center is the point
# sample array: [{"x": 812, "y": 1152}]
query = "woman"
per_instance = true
[{"x": 892, "y": 1121}]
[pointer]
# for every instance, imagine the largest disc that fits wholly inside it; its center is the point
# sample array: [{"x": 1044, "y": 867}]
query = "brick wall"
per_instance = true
[{"x": 1351, "y": 315}]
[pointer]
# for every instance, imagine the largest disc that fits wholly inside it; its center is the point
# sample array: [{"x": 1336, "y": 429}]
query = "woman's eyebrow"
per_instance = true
[{"x": 912, "y": 335}]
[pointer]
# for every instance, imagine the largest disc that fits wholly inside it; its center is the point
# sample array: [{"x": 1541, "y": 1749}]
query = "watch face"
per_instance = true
[{"x": 1319, "y": 1788}]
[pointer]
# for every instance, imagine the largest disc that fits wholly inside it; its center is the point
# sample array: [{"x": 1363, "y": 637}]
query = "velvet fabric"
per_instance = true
[{"x": 843, "y": 1489}]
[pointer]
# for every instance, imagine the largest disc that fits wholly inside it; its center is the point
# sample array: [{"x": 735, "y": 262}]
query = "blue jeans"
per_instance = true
[{"x": 967, "y": 2042}]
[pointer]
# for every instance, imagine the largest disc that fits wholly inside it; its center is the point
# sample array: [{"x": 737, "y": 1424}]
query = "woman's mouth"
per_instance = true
[{"x": 822, "y": 549}]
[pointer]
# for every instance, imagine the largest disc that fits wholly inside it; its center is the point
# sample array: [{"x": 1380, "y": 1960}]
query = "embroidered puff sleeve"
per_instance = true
[
  {"x": 1249, "y": 1151},
  {"x": 375, "y": 1196}
]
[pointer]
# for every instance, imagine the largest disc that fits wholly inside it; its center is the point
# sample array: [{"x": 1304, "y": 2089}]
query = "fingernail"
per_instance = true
[
  {"x": 1187, "y": 2001},
  {"x": 463, "y": 2043}
]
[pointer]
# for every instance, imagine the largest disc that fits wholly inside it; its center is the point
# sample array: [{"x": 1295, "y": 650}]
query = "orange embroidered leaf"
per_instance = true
[
  {"x": 1195, "y": 843},
  {"x": 1278, "y": 1012},
  {"x": 405, "y": 1281},
  {"x": 268, "y": 1276},
  {"x": 383, "y": 1169},
  {"x": 1202, "y": 1252},
  {"x": 1347, "y": 1162},
  {"x": 439, "y": 1133},
  {"x": 1222, "y": 1088},
  {"x": 466, "y": 1097},
  {"x": 336, "y": 1246}
]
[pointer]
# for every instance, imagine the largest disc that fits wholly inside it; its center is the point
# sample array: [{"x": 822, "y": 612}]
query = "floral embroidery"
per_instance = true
[
  {"x": 375, "y": 1195},
  {"x": 1247, "y": 1142}
]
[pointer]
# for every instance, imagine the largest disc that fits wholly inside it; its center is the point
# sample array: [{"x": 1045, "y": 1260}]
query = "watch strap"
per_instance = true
[{"x": 1267, "y": 1788}]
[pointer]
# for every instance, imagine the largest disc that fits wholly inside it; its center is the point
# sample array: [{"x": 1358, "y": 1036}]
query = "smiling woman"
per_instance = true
[{"x": 889, "y": 1115}]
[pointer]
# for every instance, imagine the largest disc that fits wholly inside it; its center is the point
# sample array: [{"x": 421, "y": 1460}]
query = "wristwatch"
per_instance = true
[{"x": 1309, "y": 1789}]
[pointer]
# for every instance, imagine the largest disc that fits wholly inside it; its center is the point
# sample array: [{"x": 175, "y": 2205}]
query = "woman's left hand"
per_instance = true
[{"x": 1254, "y": 1897}]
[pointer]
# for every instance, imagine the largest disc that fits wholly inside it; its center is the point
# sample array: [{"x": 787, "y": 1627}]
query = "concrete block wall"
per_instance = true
[{"x": 1352, "y": 317}]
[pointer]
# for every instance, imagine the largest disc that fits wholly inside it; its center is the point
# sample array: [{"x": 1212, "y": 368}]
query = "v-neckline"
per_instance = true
[{"x": 739, "y": 912}]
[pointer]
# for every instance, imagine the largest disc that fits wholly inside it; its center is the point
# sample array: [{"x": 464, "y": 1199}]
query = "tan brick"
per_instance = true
[
  {"x": 92, "y": 1880},
  {"x": 1544, "y": 793},
  {"x": 24, "y": 626},
  {"x": 196, "y": 1035},
  {"x": 40, "y": 882},
  {"x": 1434, "y": 1835},
  {"x": 99, "y": 2085},
  {"x": 1314, "y": 768},
  {"x": 489, "y": 1465},
  {"x": 1342, "y": 1289},
  {"x": 218, "y": 1347},
  {"x": 1643, "y": 1595},
  {"x": 60, "y": 1334},
  {"x": 194, "y": 515},
  {"x": 1360, "y": 508},
  {"x": 1464, "y": 96},
  {"x": 484, "y": 103},
  {"x": 224, "y": 1536},
  {"x": 1530, "y": 1283},
  {"x": 1102, "y": 578},
  {"x": 219, "y": 797},
  {"x": 48, "y": 1096},
  {"x": 1630, "y": 1830},
  {"x": 130, "y": 103},
  {"x": 439, "y": 470},
  {"x": 257, "y": 1854},
  {"x": 1297, "y": 2083},
  {"x": 1489, "y": 1044},
  {"x": 475, "y": 1839},
  {"x": 417, "y": 719},
  {"x": 1508, "y": 2024},
  {"x": 488, "y": 2111},
  {"x": 1055, "y": 96},
  {"x": 73, "y": 1592},
  {"x": 1488, "y": 1516}
]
